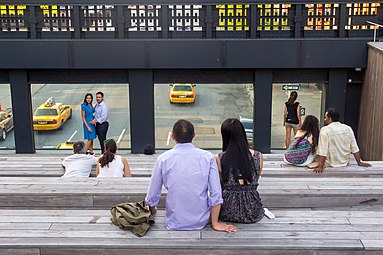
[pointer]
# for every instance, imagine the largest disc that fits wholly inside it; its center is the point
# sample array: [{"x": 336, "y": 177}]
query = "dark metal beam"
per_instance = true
[
  {"x": 336, "y": 93},
  {"x": 263, "y": 86},
  {"x": 183, "y": 54},
  {"x": 141, "y": 100},
  {"x": 22, "y": 111}
]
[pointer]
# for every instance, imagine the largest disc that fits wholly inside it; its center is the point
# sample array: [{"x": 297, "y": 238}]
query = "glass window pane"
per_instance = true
[
  {"x": 7, "y": 140},
  {"x": 57, "y": 114},
  {"x": 206, "y": 106},
  {"x": 310, "y": 97}
]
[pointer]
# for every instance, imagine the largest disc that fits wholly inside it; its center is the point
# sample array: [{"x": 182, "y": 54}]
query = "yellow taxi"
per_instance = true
[
  {"x": 51, "y": 115},
  {"x": 182, "y": 93}
]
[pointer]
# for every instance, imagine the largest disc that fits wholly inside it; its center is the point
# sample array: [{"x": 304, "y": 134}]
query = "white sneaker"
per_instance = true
[{"x": 269, "y": 214}]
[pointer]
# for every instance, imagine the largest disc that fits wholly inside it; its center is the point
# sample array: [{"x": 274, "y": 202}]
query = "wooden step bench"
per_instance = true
[
  {"x": 142, "y": 166},
  {"x": 309, "y": 192},
  {"x": 294, "y": 231}
]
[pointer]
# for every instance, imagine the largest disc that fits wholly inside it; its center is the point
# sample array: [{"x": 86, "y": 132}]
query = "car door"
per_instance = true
[
  {"x": 62, "y": 113},
  {"x": 66, "y": 112},
  {"x": 2, "y": 121},
  {"x": 10, "y": 122},
  {"x": 7, "y": 121}
]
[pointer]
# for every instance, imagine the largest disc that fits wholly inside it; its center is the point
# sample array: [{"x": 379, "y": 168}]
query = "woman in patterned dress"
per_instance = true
[
  {"x": 302, "y": 151},
  {"x": 240, "y": 169}
]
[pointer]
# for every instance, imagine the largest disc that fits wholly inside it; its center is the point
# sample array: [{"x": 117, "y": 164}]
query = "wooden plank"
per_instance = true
[
  {"x": 263, "y": 226},
  {"x": 116, "y": 234},
  {"x": 301, "y": 235},
  {"x": 53, "y": 212},
  {"x": 165, "y": 243},
  {"x": 26, "y": 251},
  {"x": 202, "y": 250},
  {"x": 27, "y": 201},
  {"x": 107, "y": 201},
  {"x": 43, "y": 219},
  {"x": 24, "y": 225},
  {"x": 250, "y": 236},
  {"x": 372, "y": 244},
  {"x": 369, "y": 220}
]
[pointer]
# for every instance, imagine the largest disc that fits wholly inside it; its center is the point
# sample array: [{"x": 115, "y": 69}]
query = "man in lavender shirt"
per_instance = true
[
  {"x": 191, "y": 178},
  {"x": 101, "y": 119}
]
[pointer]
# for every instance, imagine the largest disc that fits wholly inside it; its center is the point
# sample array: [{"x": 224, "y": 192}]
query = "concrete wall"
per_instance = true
[{"x": 370, "y": 131}]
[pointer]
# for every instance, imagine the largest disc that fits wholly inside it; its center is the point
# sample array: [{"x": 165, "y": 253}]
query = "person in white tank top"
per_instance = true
[{"x": 110, "y": 164}]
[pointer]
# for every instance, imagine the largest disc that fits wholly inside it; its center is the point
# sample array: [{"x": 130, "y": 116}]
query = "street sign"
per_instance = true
[
  {"x": 291, "y": 87},
  {"x": 303, "y": 111}
]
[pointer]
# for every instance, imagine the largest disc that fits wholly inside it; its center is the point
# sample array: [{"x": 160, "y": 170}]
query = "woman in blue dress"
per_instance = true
[{"x": 87, "y": 111}]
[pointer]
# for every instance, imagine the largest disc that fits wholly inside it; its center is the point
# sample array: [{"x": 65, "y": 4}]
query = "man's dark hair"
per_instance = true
[
  {"x": 183, "y": 131},
  {"x": 100, "y": 93},
  {"x": 333, "y": 114},
  {"x": 149, "y": 149},
  {"x": 79, "y": 147}
]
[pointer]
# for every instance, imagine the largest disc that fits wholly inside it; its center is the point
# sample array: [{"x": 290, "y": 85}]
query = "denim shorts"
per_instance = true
[{"x": 293, "y": 126}]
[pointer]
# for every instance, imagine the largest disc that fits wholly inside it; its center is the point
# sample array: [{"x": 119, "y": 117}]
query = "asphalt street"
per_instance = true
[{"x": 214, "y": 103}]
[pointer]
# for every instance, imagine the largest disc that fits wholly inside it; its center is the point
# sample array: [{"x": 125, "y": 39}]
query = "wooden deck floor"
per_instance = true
[
  {"x": 293, "y": 231},
  {"x": 339, "y": 212},
  {"x": 141, "y": 166}
]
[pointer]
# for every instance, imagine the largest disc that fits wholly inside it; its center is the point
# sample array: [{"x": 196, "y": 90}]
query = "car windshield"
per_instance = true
[
  {"x": 182, "y": 88},
  {"x": 46, "y": 112},
  {"x": 247, "y": 124}
]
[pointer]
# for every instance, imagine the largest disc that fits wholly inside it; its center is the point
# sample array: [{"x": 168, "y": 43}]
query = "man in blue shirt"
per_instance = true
[
  {"x": 191, "y": 178},
  {"x": 101, "y": 119}
]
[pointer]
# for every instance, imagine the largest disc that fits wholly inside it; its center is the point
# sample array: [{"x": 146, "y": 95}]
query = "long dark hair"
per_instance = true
[
  {"x": 91, "y": 96},
  {"x": 236, "y": 157},
  {"x": 311, "y": 126},
  {"x": 110, "y": 151},
  {"x": 292, "y": 98}
]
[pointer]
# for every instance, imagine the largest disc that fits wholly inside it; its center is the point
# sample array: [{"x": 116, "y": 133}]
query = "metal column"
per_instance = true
[
  {"x": 336, "y": 93},
  {"x": 22, "y": 111},
  {"x": 141, "y": 91},
  {"x": 263, "y": 81}
]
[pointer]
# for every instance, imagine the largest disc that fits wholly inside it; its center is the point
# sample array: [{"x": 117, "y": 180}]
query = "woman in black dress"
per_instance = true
[{"x": 240, "y": 170}]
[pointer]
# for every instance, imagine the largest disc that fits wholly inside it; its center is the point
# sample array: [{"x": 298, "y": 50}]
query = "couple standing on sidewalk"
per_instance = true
[{"x": 95, "y": 120}]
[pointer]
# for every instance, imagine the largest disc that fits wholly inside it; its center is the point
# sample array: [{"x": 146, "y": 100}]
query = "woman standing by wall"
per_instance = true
[{"x": 291, "y": 117}]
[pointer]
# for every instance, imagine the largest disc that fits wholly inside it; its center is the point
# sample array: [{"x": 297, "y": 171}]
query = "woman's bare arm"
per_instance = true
[
  {"x": 127, "y": 172},
  {"x": 83, "y": 120}
]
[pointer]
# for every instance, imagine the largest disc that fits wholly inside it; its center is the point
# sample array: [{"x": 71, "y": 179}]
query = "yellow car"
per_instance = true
[
  {"x": 182, "y": 93},
  {"x": 51, "y": 115}
]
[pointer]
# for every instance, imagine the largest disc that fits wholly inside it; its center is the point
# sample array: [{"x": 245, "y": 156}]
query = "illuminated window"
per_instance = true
[
  {"x": 97, "y": 18},
  {"x": 233, "y": 17},
  {"x": 185, "y": 18},
  {"x": 359, "y": 13},
  {"x": 321, "y": 16},
  {"x": 56, "y": 18},
  {"x": 145, "y": 17},
  {"x": 12, "y": 18},
  {"x": 274, "y": 16}
]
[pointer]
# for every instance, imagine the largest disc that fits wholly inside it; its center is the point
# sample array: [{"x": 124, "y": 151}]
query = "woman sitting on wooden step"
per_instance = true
[
  {"x": 240, "y": 170},
  {"x": 110, "y": 164}
]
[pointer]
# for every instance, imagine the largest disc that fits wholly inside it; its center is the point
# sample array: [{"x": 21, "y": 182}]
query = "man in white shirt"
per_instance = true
[
  {"x": 79, "y": 164},
  {"x": 336, "y": 143}
]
